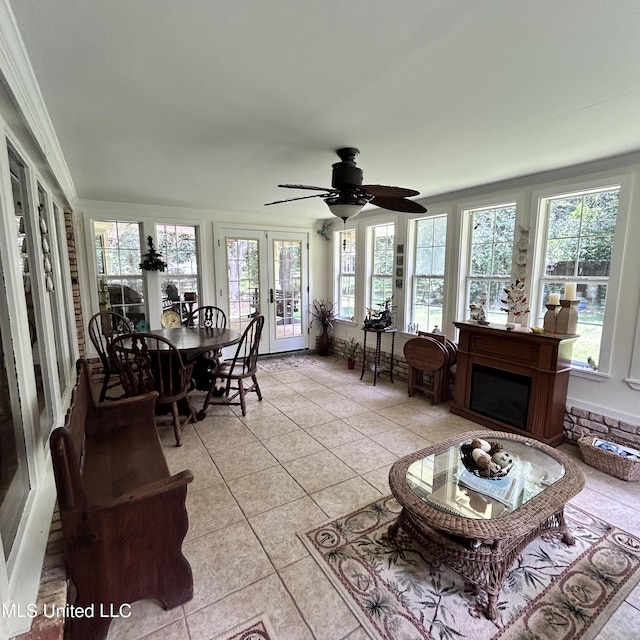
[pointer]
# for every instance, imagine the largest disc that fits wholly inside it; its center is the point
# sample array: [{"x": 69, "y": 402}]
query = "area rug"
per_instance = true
[
  {"x": 256, "y": 629},
  {"x": 400, "y": 592},
  {"x": 286, "y": 362}
]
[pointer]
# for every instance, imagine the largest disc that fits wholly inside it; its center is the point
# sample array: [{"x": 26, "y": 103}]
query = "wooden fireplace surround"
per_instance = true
[{"x": 544, "y": 358}]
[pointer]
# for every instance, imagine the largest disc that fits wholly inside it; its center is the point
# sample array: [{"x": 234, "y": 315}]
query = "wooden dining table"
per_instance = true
[{"x": 195, "y": 341}]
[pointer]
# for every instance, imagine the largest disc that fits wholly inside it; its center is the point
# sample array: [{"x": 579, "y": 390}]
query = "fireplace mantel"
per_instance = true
[{"x": 544, "y": 358}]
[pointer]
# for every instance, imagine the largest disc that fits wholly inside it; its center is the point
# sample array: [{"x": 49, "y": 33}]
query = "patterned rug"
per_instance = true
[
  {"x": 286, "y": 362},
  {"x": 257, "y": 629},
  {"x": 400, "y": 592}
]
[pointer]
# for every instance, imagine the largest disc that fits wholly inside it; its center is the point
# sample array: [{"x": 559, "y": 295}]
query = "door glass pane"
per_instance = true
[
  {"x": 288, "y": 287},
  {"x": 120, "y": 283},
  {"x": 243, "y": 281},
  {"x": 180, "y": 287}
]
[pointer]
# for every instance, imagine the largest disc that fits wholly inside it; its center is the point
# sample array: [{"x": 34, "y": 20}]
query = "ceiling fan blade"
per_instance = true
[
  {"x": 391, "y": 192},
  {"x": 306, "y": 186},
  {"x": 315, "y": 195},
  {"x": 397, "y": 204}
]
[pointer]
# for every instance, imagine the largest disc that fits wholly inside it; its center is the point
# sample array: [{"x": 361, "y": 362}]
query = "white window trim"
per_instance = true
[
  {"x": 539, "y": 221},
  {"x": 337, "y": 253}
]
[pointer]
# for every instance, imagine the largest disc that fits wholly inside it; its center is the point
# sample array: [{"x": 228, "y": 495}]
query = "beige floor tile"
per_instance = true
[
  {"x": 223, "y": 562},
  {"x": 403, "y": 415},
  {"x": 307, "y": 385},
  {"x": 306, "y": 418},
  {"x": 265, "y": 490},
  {"x": 210, "y": 509},
  {"x": 346, "y": 408},
  {"x": 274, "y": 389},
  {"x": 294, "y": 402},
  {"x": 225, "y": 433},
  {"x": 620, "y": 514},
  {"x": 400, "y": 441},
  {"x": 379, "y": 478},
  {"x": 278, "y": 527},
  {"x": 146, "y": 617},
  {"x": 176, "y": 631},
  {"x": 205, "y": 472},
  {"x": 364, "y": 455},
  {"x": 318, "y": 471},
  {"x": 264, "y": 427},
  {"x": 619, "y": 627},
  {"x": 243, "y": 460},
  {"x": 358, "y": 634},
  {"x": 370, "y": 423},
  {"x": 267, "y": 596},
  {"x": 334, "y": 433},
  {"x": 318, "y": 600},
  {"x": 292, "y": 445},
  {"x": 634, "y": 597},
  {"x": 341, "y": 498}
]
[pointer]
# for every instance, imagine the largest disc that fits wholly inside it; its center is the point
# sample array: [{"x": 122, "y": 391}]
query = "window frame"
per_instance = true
[
  {"x": 340, "y": 274},
  {"x": 467, "y": 209},
  {"x": 371, "y": 255},
  {"x": 411, "y": 269},
  {"x": 538, "y": 206}
]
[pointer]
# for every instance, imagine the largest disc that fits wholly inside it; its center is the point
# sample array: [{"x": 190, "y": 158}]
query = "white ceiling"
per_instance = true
[{"x": 212, "y": 103}]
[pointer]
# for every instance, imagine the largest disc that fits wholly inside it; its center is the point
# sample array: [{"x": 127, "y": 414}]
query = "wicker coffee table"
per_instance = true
[{"x": 478, "y": 526}]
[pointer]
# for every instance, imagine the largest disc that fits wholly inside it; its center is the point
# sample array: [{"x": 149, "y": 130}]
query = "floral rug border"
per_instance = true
[{"x": 400, "y": 592}]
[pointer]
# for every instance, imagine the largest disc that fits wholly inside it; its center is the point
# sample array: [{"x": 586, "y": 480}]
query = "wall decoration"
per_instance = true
[
  {"x": 399, "y": 271},
  {"x": 400, "y": 248},
  {"x": 521, "y": 258},
  {"x": 398, "y": 283},
  {"x": 400, "y": 261}
]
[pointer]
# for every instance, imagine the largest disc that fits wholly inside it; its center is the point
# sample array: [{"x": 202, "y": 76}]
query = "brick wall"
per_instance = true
[{"x": 75, "y": 283}]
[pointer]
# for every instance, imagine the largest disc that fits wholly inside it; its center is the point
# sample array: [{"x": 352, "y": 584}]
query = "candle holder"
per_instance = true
[
  {"x": 567, "y": 318},
  {"x": 551, "y": 318}
]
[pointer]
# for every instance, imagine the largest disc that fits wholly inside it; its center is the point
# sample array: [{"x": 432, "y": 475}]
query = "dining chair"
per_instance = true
[
  {"x": 206, "y": 317},
  {"x": 103, "y": 328},
  {"x": 148, "y": 362},
  {"x": 241, "y": 367}
]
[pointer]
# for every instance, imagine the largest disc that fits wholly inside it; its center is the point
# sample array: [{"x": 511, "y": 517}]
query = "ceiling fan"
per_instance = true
[{"x": 347, "y": 195}]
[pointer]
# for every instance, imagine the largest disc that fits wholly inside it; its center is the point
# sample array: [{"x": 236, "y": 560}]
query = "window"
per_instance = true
[
  {"x": 347, "y": 274},
  {"x": 179, "y": 287},
  {"x": 381, "y": 265},
  {"x": 427, "y": 294},
  {"x": 120, "y": 283},
  {"x": 579, "y": 242},
  {"x": 490, "y": 257}
]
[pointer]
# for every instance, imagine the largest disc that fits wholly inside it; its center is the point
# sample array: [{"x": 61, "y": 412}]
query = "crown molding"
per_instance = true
[{"x": 21, "y": 81}]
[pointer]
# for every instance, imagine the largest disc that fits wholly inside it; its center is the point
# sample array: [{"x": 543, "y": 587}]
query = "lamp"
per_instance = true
[{"x": 346, "y": 204}]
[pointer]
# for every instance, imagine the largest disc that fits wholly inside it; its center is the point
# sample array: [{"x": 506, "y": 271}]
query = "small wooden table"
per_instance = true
[
  {"x": 471, "y": 530},
  {"x": 377, "y": 370}
]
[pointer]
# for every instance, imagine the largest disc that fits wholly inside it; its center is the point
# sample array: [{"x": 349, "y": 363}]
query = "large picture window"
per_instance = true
[
  {"x": 382, "y": 266},
  {"x": 579, "y": 243},
  {"x": 347, "y": 274},
  {"x": 490, "y": 257},
  {"x": 427, "y": 294}
]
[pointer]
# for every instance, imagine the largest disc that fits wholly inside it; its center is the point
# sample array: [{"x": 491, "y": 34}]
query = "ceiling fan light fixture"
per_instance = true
[{"x": 346, "y": 205}]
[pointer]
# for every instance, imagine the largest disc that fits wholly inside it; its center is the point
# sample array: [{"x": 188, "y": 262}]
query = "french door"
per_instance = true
[{"x": 265, "y": 273}]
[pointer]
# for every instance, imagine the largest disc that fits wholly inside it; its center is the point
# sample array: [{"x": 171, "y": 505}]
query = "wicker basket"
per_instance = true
[{"x": 607, "y": 461}]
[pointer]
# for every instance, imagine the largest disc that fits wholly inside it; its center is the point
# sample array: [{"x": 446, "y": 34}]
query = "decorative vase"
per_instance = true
[
  {"x": 551, "y": 318},
  {"x": 324, "y": 342},
  {"x": 567, "y": 320}
]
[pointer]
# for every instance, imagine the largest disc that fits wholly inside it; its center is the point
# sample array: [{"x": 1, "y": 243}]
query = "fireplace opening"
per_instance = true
[{"x": 500, "y": 395}]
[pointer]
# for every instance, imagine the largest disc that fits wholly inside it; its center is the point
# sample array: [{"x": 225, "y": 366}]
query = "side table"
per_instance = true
[{"x": 377, "y": 370}]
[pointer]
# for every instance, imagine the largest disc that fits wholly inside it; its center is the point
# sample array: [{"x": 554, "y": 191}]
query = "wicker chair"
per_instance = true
[
  {"x": 148, "y": 362},
  {"x": 207, "y": 317},
  {"x": 244, "y": 365},
  {"x": 103, "y": 328}
]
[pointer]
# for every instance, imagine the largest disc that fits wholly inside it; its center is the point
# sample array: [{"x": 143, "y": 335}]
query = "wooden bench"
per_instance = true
[{"x": 123, "y": 514}]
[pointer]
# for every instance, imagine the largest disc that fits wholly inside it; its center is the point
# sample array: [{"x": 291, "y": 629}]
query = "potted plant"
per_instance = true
[
  {"x": 324, "y": 312},
  {"x": 350, "y": 351}
]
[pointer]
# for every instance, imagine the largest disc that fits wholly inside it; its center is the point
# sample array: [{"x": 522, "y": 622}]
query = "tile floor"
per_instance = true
[{"x": 319, "y": 444}]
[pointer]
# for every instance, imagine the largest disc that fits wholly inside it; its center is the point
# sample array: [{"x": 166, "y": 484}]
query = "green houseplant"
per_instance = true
[
  {"x": 324, "y": 312},
  {"x": 351, "y": 349}
]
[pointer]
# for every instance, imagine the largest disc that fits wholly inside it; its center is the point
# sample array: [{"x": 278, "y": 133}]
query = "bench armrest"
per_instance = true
[{"x": 165, "y": 485}]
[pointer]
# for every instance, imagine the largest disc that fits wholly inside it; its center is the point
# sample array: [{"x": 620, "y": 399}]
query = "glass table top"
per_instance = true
[{"x": 442, "y": 481}]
